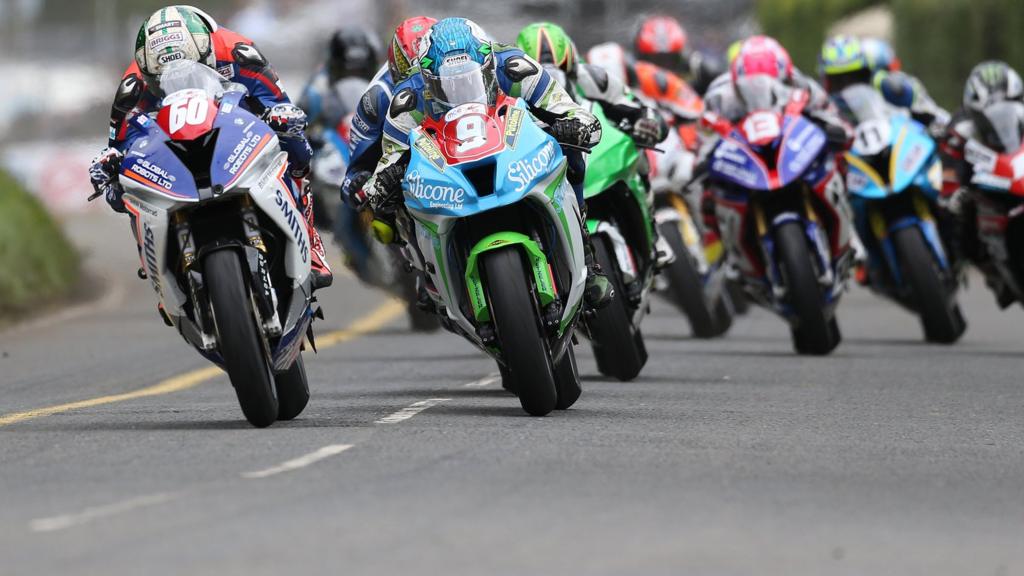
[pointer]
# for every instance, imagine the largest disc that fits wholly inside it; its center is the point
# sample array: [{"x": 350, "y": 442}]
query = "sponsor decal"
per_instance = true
[
  {"x": 113, "y": 133},
  {"x": 154, "y": 174},
  {"x": 226, "y": 71},
  {"x": 736, "y": 172},
  {"x": 430, "y": 151},
  {"x": 455, "y": 60},
  {"x": 523, "y": 172},
  {"x": 513, "y": 124},
  {"x": 465, "y": 109},
  {"x": 980, "y": 156},
  {"x": 164, "y": 26},
  {"x": 360, "y": 124},
  {"x": 227, "y": 108},
  {"x": 241, "y": 153},
  {"x": 912, "y": 158},
  {"x": 296, "y": 223},
  {"x": 141, "y": 206},
  {"x": 165, "y": 59},
  {"x": 809, "y": 152},
  {"x": 158, "y": 42},
  {"x": 434, "y": 195},
  {"x": 856, "y": 180},
  {"x": 149, "y": 252}
]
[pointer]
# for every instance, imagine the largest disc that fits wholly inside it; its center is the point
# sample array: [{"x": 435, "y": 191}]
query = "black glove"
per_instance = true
[
  {"x": 286, "y": 119},
  {"x": 572, "y": 132},
  {"x": 648, "y": 131},
  {"x": 386, "y": 187},
  {"x": 352, "y": 189},
  {"x": 103, "y": 176}
]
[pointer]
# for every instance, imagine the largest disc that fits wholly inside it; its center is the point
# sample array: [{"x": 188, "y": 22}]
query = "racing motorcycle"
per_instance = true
[
  {"x": 493, "y": 224},
  {"x": 221, "y": 238},
  {"x": 997, "y": 187},
  {"x": 781, "y": 211},
  {"x": 696, "y": 282},
  {"x": 620, "y": 226},
  {"x": 894, "y": 176}
]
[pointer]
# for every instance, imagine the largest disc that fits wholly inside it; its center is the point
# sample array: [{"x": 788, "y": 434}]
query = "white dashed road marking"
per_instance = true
[
  {"x": 64, "y": 521},
  {"x": 485, "y": 382},
  {"x": 300, "y": 462},
  {"x": 410, "y": 411}
]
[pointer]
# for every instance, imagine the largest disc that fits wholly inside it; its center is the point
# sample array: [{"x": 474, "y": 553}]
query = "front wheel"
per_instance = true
[
  {"x": 618, "y": 345},
  {"x": 517, "y": 324},
  {"x": 813, "y": 332},
  {"x": 241, "y": 345},
  {"x": 686, "y": 286},
  {"x": 940, "y": 314},
  {"x": 567, "y": 380},
  {"x": 292, "y": 391}
]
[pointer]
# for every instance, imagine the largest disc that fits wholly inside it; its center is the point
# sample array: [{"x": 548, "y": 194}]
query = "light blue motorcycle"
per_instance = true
[
  {"x": 894, "y": 177},
  {"x": 493, "y": 224}
]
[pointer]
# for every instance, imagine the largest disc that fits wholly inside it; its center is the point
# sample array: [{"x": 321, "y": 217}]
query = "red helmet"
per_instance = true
[
  {"x": 661, "y": 40},
  {"x": 762, "y": 55},
  {"x": 405, "y": 46}
]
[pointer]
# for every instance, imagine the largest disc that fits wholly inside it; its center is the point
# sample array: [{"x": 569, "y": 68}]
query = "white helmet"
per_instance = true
[{"x": 173, "y": 34}]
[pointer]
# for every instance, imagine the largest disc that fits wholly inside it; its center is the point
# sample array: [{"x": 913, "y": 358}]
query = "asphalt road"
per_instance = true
[{"x": 727, "y": 457}]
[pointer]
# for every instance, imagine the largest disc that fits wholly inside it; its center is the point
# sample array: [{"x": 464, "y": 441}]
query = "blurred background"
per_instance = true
[{"x": 61, "y": 59}]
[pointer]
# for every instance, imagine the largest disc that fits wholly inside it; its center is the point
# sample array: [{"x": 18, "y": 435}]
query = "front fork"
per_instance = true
[{"x": 814, "y": 233}]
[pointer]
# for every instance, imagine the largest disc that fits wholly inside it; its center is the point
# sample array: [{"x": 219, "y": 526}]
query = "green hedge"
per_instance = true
[
  {"x": 938, "y": 40},
  {"x": 800, "y": 25},
  {"x": 37, "y": 263},
  {"x": 941, "y": 40}
]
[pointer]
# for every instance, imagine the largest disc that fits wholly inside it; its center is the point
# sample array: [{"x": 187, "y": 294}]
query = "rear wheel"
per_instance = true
[
  {"x": 419, "y": 320},
  {"x": 687, "y": 286},
  {"x": 517, "y": 323},
  {"x": 813, "y": 332},
  {"x": 292, "y": 391},
  {"x": 567, "y": 380},
  {"x": 618, "y": 345},
  {"x": 940, "y": 314},
  {"x": 241, "y": 345}
]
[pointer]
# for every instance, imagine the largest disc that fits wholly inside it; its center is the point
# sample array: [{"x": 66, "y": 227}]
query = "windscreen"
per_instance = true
[
  {"x": 861, "y": 103},
  {"x": 189, "y": 75},
  {"x": 462, "y": 81},
  {"x": 761, "y": 92}
]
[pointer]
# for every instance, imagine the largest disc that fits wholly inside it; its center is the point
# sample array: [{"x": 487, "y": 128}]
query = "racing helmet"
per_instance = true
[
  {"x": 457, "y": 64},
  {"x": 993, "y": 99},
  {"x": 352, "y": 52},
  {"x": 843, "y": 63},
  {"x": 405, "y": 46},
  {"x": 173, "y": 34},
  {"x": 612, "y": 58},
  {"x": 661, "y": 40},
  {"x": 880, "y": 55},
  {"x": 551, "y": 46},
  {"x": 759, "y": 75}
]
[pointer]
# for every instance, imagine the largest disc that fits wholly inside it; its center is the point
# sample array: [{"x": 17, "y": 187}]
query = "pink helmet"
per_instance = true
[{"x": 762, "y": 55}]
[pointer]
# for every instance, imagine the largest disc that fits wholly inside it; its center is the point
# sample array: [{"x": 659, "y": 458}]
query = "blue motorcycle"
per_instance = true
[
  {"x": 493, "y": 224},
  {"x": 894, "y": 177}
]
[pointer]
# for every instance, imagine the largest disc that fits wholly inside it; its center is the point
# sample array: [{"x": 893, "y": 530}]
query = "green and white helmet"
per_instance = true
[{"x": 172, "y": 34}]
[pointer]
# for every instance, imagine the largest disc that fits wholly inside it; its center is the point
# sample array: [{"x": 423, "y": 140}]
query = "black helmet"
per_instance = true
[
  {"x": 990, "y": 82},
  {"x": 352, "y": 52}
]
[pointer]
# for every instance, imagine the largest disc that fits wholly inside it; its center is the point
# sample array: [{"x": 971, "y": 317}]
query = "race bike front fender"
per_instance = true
[
  {"x": 883, "y": 231},
  {"x": 546, "y": 291}
]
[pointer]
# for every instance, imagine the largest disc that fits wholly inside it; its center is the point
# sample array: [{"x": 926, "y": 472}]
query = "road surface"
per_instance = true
[{"x": 725, "y": 457}]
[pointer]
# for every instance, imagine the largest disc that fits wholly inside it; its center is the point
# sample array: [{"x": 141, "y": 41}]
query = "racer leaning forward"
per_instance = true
[
  {"x": 183, "y": 32},
  {"x": 454, "y": 46}
]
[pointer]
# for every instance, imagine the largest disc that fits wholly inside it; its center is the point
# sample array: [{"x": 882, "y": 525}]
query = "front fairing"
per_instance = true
[
  {"x": 793, "y": 154},
  {"x": 152, "y": 171},
  {"x": 434, "y": 187},
  {"x": 241, "y": 139},
  {"x": 907, "y": 158},
  {"x": 613, "y": 160}
]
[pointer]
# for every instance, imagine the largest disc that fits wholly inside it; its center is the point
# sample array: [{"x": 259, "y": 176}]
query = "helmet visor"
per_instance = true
[
  {"x": 189, "y": 75},
  {"x": 761, "y": 92},
  {"x": 461, "y": 83},
  {"x": 1000, "y": 125}
]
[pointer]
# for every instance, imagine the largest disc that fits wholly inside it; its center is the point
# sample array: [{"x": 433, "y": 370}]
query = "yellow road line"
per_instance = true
[{"x": 373, "y": 321}]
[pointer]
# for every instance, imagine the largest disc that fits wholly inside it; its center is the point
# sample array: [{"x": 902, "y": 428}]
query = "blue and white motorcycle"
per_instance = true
[{"x": 894, "y": 176}]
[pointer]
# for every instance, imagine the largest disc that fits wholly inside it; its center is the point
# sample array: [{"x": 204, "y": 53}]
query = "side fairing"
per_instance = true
[
  {"x": 151, "y": 170},
  {"x": 801, "y": 145},
  {"x": 912, "y": 153},
  {"x": 612, "y": 160},
  {"x": 241, "y": 140},
  {"x": 734, "y": 162}
]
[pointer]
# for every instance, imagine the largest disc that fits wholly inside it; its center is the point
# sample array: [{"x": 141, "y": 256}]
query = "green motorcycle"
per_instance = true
[{"x": 621, "y": 230}]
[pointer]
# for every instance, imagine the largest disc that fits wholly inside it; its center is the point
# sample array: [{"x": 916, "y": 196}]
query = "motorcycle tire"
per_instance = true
[
  {"x": 686, "y": 286},
  {"x": 738, "y": 296},
  {"x": 241, "y": 345},
  {"x": 567, "y": 380},
  {"x": 419, "y": 320},
  {"x": 940, "y": 315},
  {"x": 292, "y": 391},
  {"x": 812, "y": 330},
  {"x": 517, "y": 323},
  {"x": 618, "y": 345}
]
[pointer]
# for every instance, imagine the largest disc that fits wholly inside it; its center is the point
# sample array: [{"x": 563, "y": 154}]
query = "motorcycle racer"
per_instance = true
[
  {"x": 552, "y": 47},
  {"x": 846, "y": 60},
  {"x": 456, "y": 46},
  {"x": 183, "y": 32}
]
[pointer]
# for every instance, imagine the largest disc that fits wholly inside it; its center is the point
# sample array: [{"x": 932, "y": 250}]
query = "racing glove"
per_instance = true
[
  {"x": 352, "y": 192},
  {"x": 386, "y": 187},
  {"x": 103, "y": 175},
  {"x": 572, "y": 132},
  {"x": 648, "y": 131},
  {"x": 287, "y": 119}
]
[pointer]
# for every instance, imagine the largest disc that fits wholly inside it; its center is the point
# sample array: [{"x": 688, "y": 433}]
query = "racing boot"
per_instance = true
[
  {"x": 663, "y": 252},
  {"x": 322, "y": 275},
  {"x": 598, "y": 291}
]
